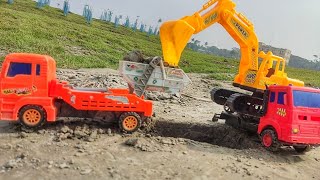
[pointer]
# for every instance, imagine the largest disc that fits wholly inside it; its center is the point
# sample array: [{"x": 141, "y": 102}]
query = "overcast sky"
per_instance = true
[{"x": 291, "y": 24}]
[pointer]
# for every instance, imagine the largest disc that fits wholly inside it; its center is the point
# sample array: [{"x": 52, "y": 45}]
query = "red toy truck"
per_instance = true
[
  {"x": 290, "y": 116},
  {"x": 32, "y": 94}
]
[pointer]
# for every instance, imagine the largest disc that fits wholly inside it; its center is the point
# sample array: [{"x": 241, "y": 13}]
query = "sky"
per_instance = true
[{"x": 290, "y": 24}]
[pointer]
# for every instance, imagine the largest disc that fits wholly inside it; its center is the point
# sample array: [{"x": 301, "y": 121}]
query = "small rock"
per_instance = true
[
  {"x": 35, "y": 160},
  {"x": 42, "y": 131},
  {"x": 260, "y": 159},
  {"x": 71, "y": 161},
  {"x": 184, "y": 152},
  {"x": 22, "y": 156},
  {"x": 65, "y": 129},
  {"x": 100, "y": 131},
  {"x": 19, "y": 146},
  {"x": 5, "y": 146},
  {"x": 166, "y": 141},
  {"x": 2, "y": 171},
  {"x": 109, "y": 132},
  {"x": 131, "y": 142},
  {"x": 239, "y": 160},
  {"x": 248, "y": 164},
  {"x": 64, "y": 165},
  {"x": 23, "y": 135},
  {"x": 11, "y": 164},
  {"x": 316, "y": 159},
  {"x": 94, "y": 134},
  {"x": 50, "y": 162},
  {"x": 164, "y": 96},
  {"x": 86, "y": 171}
]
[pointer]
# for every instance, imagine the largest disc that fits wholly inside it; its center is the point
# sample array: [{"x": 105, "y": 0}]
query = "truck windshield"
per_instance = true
[{"x": 306, "y": 99}]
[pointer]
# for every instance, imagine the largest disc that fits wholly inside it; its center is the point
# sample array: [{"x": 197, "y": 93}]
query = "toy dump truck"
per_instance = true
[
  {"x": 32, "y": 95},
  {"x": 289, "y": 116}
]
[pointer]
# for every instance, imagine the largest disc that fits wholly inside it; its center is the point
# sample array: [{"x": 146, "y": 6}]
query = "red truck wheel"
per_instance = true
[
  {"x": 129, "y": 122},
  {"x": 270, "y": 140},
  {"x": 32, "y": 116}
]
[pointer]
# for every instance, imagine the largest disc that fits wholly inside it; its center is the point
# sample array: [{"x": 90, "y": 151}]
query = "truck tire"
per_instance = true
[
  {"x": 129, "y": 122},
  {"x": 269, "y": 140},
  {"x": 32, "y": 116},
  {"x": 302, "y": 149}
]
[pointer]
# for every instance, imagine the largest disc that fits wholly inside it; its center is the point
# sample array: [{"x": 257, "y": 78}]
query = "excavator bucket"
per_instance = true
[{"x": 174, "y": 36}]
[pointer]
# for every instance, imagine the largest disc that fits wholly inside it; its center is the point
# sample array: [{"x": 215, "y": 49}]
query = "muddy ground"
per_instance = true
[{"x": 183, "y": 143}]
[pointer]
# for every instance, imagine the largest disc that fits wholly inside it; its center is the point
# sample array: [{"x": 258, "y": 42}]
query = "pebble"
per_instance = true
[
  {"x": 11, "y": 164},
  {"x": 64, "y": 165},
  {"x": 131, "y": 142},
  {"x": 86, "y": 171},
  {"x": 65, "y": 129},
  {"x": 23, "y": 135},
  {"x": 166, "y": 141}
]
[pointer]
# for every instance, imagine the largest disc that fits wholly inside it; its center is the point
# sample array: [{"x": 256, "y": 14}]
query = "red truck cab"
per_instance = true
[
  {"x": 31, "y": 93},
  {"x": 292, "y": 118},
  {"x": 25, "y": 79}
]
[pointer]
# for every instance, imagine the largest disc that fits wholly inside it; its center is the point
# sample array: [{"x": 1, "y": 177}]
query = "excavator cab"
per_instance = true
[{"x": 271, "y": 71}]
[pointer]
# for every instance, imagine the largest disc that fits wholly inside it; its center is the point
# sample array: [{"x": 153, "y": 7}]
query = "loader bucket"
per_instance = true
[{"x": 174, "y": 36}]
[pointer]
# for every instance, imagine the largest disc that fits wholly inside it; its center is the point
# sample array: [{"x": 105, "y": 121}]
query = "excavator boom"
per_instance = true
[{"x": 175, "y": 35}]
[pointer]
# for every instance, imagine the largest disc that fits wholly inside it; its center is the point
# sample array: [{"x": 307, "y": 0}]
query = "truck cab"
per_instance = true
[
  {"x": 292, "y": 117},
  {"x": 24, "y": 81}
]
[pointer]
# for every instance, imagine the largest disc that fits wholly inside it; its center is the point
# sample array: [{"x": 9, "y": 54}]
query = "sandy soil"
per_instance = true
[{"x": 183, "y": 144}]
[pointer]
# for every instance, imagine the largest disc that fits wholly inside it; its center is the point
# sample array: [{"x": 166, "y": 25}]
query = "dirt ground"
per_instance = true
[{"x": 183, "y": 144}]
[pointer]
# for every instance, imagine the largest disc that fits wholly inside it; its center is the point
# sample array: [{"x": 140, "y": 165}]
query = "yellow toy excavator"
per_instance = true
[{"x": 175, "y": 35}]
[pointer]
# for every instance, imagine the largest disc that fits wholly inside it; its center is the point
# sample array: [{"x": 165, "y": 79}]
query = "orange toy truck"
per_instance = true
[{"x": 32, "y": 95}]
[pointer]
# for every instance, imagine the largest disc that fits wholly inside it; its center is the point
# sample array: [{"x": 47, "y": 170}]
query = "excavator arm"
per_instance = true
[{"x": 175, "y": 35}]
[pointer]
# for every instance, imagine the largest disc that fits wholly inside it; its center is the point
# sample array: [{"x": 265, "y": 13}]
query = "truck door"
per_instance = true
[
  {"x": 281, "y": 109},
  {"x": 17, "y": 81},
  {"x": 271, "y": 105}
]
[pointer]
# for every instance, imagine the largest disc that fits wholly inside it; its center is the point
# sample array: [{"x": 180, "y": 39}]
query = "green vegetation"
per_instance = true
[{"x": 75, "y": 44}]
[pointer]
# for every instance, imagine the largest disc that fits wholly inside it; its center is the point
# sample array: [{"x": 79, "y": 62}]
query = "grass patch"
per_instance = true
[{"x": 75, "y": 44}]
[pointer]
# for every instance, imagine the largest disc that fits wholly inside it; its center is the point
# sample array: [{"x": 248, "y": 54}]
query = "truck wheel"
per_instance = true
[
  {"x": 302, "y": 149},
  {"x": 32, "y": 116},
  {"x": 270, "y": 140},
  {"x": 129, "y": 122}
]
